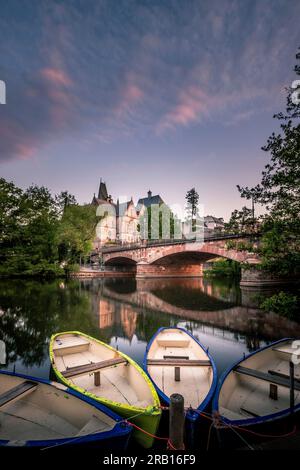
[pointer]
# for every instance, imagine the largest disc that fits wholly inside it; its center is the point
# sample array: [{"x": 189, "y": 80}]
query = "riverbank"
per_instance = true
[{"x": 92, "y": 273}]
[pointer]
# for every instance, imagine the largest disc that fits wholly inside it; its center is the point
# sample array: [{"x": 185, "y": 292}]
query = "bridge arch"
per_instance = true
[
  {"x": 195, "y": 253},
  {"x": 119, "y": 260}
]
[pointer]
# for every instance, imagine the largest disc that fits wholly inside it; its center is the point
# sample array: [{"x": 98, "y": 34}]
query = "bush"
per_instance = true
[
  {"x": 71, "y": 268},
  {"x": 283, "y": 304},
  {"x": 224, "y": 267}
]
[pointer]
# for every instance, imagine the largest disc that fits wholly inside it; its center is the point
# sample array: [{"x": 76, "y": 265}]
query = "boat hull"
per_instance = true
[
  {"x": 117, "y": 438},
  {"x": 252, "y": 401},
  {"x": 147, "y": 418},
  {"x": 194, "y": 423}
]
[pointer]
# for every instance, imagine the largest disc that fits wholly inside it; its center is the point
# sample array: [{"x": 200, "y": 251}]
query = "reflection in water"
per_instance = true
[{"x": 126, "y": 313}]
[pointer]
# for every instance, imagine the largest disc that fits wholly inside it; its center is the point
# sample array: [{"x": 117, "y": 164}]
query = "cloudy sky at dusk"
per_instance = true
[{"x": 153, "y": 94}]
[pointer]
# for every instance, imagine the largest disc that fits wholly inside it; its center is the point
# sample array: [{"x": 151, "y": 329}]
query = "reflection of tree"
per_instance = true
[
  {"x": 33, "y": 311},
  {"x": 225, "y": 289},
  {"x": 190, "y": 298}
]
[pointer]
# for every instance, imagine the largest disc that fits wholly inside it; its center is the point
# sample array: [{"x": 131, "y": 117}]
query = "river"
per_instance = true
[{"x": 126, "y": 313}]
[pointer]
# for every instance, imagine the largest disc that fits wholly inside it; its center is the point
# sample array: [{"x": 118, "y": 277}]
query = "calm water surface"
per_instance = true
[{"x": 126, "y": 313}]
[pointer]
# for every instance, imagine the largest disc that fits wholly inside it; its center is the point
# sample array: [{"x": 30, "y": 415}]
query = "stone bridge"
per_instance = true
[{"x": 177, "y": 258}]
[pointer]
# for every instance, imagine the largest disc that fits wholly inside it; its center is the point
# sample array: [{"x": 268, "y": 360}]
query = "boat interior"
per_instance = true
[
  {"x": 32, "y": 411},
  {"x": 177, "y": 364},
  {"x": 260, "y": 385},
  {"x": 100, "y": 370}
]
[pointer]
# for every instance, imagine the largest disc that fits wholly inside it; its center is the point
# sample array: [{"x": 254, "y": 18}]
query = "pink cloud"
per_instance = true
[
  {"x": 25, "y": 150},
  {"x": 56, "y": 76},
  {"x": 131, "y": 94},
  {"x": 130, "y": 97},
  {"x": 193, "y": 103},
  {"x": 58, "y": 85}
]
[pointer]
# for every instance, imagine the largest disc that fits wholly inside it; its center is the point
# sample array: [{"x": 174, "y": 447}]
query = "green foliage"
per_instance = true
[
  {"x": 64, "y": 199},
  {"x": 240, "y": 246},
  {"x": 192, "y": 198},
  {"x": 76, "y": 232},
  {"x": 28, "y": 222},
  {"x": 279, "y": 247},
  {"x": 42, "y": 235},
  {"x": 224, "y": 267},
  {"x": 279, "y": 192},
  {"x": 161, "y": 223},
  {"x": 71, "y": 268},
  {"x": 242, "y": 221},
  {"x": 283, "y": 303}
]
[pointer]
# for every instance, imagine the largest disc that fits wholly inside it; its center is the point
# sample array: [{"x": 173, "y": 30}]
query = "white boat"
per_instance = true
[
  {"x": 258, "y": 389},
  {"x": 178, "y": 363},
  {"x": 38, "y": 413}
]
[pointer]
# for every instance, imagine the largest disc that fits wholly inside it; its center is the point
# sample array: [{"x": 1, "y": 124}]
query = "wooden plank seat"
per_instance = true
[
  {"x": 178, "y": 362},
  {"x": 17, "y": 392},
  {"x": 93, "y": 367},
  {"x": 64, "y": 348},
  {"x": 283, "y": 376},
  {"x": 266, "y": 376}
]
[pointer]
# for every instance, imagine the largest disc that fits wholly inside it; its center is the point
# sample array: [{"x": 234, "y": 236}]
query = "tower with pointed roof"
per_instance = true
[{"x": 118, "y": 221}]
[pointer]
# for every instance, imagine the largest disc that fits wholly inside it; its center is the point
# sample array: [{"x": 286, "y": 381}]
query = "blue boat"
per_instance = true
[
  {"x": 178, "y": 363},
  {"x": 258, "y": 397},
  {"x": 41, "y": 414}
]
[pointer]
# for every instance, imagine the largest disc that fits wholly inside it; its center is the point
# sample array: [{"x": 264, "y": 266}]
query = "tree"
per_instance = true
[
  {"x": 28, "y": 225},
  {"x": 76, "y": 232},
  {"x": 240, "y": 221},
  {"x": 192, "y": 198},
  {"x": 65, "y": 199},
  {"x": 279, "y": 190}
]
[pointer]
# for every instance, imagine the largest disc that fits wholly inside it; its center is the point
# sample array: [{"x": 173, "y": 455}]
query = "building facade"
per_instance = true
[{"x": 118, "y": 222}]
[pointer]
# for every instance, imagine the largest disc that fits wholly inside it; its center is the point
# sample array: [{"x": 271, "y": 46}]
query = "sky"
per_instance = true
[{"x": 145, "y": 94}]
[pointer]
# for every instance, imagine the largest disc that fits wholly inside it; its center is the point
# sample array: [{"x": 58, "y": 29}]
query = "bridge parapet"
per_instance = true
[{"x": 184, "y": 257}]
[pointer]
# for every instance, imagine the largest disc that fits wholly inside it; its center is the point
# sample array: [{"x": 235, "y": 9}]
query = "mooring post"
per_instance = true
[
  {"x": 292, "y": 387},
  {"x": 176, "y": 421}
]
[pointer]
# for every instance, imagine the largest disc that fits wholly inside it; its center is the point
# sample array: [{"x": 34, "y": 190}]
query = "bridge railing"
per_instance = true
[{"x": 173, "y": 241}]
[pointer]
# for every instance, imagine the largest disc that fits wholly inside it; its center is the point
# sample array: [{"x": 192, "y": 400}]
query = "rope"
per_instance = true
[
  {"x": 169, "y": 443},
  {"x": 271, "y": 436},
  {"x": 218, "y": 422}
]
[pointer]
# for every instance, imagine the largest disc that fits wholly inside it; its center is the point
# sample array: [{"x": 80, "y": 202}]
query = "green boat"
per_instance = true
[{"x": 108, "y": 376}]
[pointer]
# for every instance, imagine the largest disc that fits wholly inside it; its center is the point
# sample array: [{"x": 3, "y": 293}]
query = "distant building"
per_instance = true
[
  {"x": 143, "y": 205},
  {"x": 148, "y": 201},
  {"x": 213, "y": 223},
  {"x": 118, "y": 221}
]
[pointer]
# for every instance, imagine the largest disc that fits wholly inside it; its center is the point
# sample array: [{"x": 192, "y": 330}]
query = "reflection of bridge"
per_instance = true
[
  {"x": 247, "y": 321},
  {"x": 174, "y": 258}
]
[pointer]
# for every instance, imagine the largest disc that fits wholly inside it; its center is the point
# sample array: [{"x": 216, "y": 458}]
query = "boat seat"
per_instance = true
[
  {"x": 173, "y": 342},
  {"x": 94, "y": 367},
  {"x": 284, "y": 376},
  {"x": 283, "y": 382},
  {"x": 178, "y": 362},
  {"x": 76, "y": 346},
  {"x": 285, "y": 349},
  {"x": 17, "y": 392}
]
